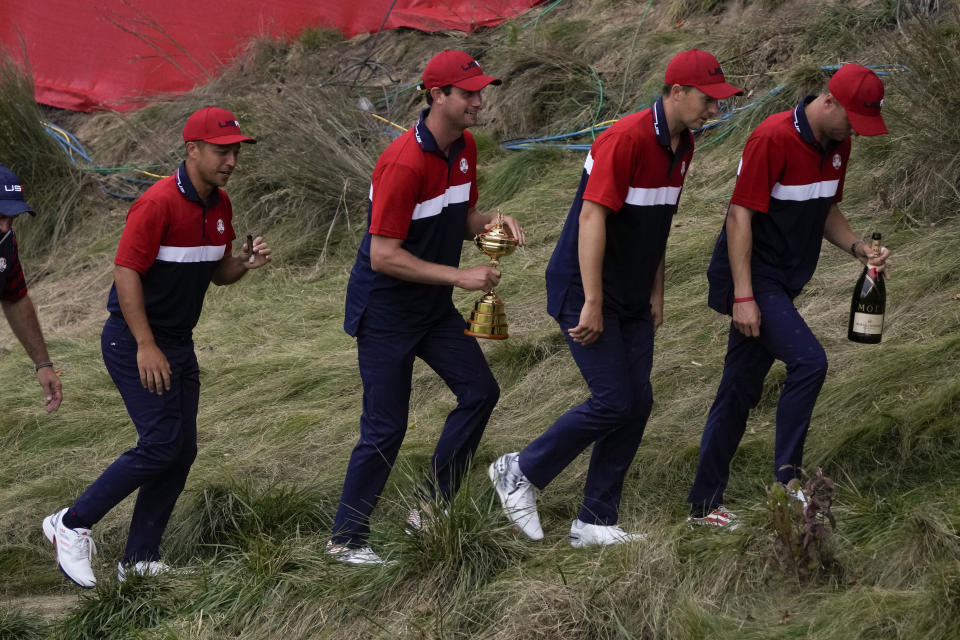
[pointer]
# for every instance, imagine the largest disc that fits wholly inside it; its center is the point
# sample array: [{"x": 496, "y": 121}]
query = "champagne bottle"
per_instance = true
[{"x": 869, "y": 303}]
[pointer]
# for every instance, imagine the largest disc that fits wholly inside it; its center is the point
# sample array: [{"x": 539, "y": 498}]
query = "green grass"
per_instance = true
[
  {"x": 281, "y": 396},
  {"x": 52, "y": 183},
  {"x": 919, "y": 181},
  {"x": 838, "y": 26},
  {"x": 15, "y": 625},
  {"x": 683, "y": 9}
]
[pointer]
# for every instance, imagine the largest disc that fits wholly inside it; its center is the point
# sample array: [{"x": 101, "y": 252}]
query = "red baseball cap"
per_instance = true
[
  {"x": 457, "y": 68},
  {"x": 214, "y": 125},
  {"x": 860, "y": 92},
  {"x": 701, "y": 70}
]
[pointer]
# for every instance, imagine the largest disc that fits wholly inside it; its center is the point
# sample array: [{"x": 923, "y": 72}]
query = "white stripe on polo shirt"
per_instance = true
[
  {"x": 432, "y": 207},
  {"x": 648, "y": 197},
  {"x": 191, "y": 254},
  {"x": 588, "y": 165},
  {"x": 804, "y": 192}
]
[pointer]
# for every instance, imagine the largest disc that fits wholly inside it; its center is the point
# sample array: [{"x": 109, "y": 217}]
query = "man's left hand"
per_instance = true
[
  {"x": 52, "y": 390},
  {"x": 261, "y": 253},
  {"x": 865, "y": 255},
  {"x": 516, "y": 230}
]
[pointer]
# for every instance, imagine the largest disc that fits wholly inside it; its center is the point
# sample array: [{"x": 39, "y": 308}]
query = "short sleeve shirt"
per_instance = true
[
  {"x": 420, "y": 196},
  {"x": 632, "y": 170},
  {"x": 13, "y": 285},
  {"x": 175, "y": 242},
  {"x": 791, "y": 182}
]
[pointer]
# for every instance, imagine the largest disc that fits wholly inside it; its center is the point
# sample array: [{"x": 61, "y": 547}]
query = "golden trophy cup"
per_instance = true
[{"x": 488, "y": 318}]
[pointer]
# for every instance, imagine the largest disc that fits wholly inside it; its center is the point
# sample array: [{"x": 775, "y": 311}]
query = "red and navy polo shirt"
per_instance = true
[
  {"x": 421, "y": 197},
  {"x": 174, "y": 241},
  {"x": 791, "y": 181},
  {"x": 13, "y": 285},
  {"x": 632, "y": 170}
]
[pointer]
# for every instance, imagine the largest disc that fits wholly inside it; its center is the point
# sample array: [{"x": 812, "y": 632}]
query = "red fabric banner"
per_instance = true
[{"x": 119, "y": 54}]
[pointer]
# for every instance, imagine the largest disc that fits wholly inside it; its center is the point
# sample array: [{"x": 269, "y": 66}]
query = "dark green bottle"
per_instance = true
[{"x": 869, "y": 303}]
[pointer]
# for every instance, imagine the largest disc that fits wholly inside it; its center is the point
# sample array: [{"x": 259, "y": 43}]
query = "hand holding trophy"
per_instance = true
[{"x": 488, "y": 318}]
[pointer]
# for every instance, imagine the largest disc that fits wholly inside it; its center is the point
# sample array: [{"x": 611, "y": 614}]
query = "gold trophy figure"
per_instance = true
[{"x": 488, "y": 318}]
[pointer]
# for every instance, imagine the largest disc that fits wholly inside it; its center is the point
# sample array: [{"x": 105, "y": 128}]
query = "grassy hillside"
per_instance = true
[{"x": 281, "y": 394}]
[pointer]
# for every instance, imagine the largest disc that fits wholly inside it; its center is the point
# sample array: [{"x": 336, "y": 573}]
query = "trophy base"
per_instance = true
[{"x": 488, "y": 319}]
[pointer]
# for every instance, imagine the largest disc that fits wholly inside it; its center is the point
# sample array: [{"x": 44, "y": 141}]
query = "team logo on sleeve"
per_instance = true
[
  {"x": 836, "y": 161},
  {"x": 3, "y": 265},
  {"x": 463, "y": 165},
  {"x": 220, "y": 226}
]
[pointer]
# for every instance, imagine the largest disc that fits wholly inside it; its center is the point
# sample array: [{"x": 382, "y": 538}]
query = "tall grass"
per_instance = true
[
  {"x": 681, "y": 9},
  {"x": 281, "y": 398},
  {"x": 321, "y": 153},
  {"x": 837, "y": 23},
  {"x": 558, "y": 87},
  {"x": 52, "y": 184},
  {"x": 15, "y": 625},
  {"x": 121, "y": 610},
  {"x": 920, "y": 180}
]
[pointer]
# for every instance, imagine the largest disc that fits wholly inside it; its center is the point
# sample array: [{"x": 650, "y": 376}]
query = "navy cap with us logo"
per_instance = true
[
  {"x": 214, "y": 125},
  {"x": 11, "y": 195}
]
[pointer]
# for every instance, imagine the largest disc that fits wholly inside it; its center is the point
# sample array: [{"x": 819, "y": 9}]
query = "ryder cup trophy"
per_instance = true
[{"x": 488, "y": 318}]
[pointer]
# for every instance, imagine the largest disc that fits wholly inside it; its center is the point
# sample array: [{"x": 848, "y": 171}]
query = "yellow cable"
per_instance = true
[
  {"x": 392, "y": 124},
  {"x": 63, "y": 134},
  {"x": 147, "y": 173},
  {"x": 599, "y": 124}
]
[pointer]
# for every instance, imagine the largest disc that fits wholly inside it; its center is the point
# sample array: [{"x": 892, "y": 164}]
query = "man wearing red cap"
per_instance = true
[
  {"x": 422, "y": 207},
  {"x": 789, "y": 184},
  {"x": 177, "y": 239},
  {"x": 16, "y": 303},
  {"x": 605, "y": 284}
]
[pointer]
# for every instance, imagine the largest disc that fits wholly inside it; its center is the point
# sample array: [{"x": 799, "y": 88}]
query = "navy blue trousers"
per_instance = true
[
  {"x": 617, "y": 370},
  {"x": 783, "y": 336},
  {"x": 166, "y": 445},
  {"x": 385, "y": 357}
]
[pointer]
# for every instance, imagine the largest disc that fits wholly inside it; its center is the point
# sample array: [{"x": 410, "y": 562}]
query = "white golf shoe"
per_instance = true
[
  {"x": 74, "y": 547},
  {"x": 517, "y": 495},
  {"x": 589, "y": 535},
  {"x": 351, "y": 555},
  {"x": 143, "y": 568}
]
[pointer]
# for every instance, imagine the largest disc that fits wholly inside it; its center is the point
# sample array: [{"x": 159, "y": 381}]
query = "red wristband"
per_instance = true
[{"x": 747, "y": 299}]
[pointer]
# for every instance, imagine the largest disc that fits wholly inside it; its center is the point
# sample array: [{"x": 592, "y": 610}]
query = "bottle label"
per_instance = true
[{"x": 868, "y": 323}]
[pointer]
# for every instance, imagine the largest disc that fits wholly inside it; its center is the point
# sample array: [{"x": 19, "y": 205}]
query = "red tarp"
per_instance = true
[{"x": 115, "y": 54}]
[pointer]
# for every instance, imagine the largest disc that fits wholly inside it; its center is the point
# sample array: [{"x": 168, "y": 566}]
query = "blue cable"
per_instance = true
[
  {"x": 517, "y": 144},
  {"x": 70, "y": 146},
  {"x": 879, "y": 69},
  {"x": 528, "y": 143},
  {"x": 114, "y": 194},
  {"x": 73, "y": 148}
]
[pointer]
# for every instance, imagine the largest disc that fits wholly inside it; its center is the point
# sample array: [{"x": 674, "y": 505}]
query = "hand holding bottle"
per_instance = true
[
  {"x": 869, "y": 301},
  {"x": 873, "y": 255}
]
